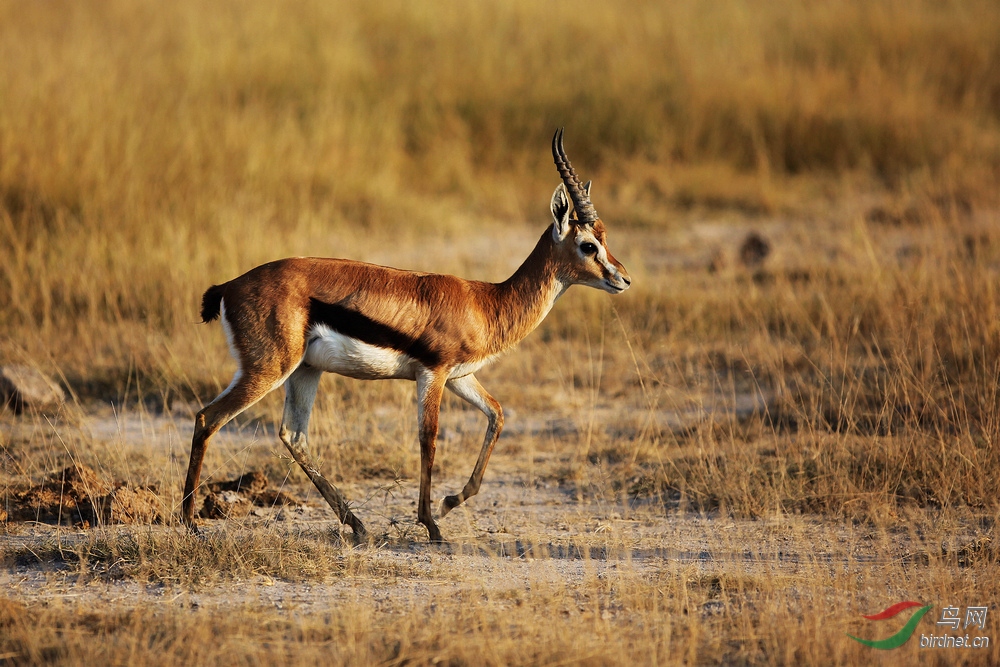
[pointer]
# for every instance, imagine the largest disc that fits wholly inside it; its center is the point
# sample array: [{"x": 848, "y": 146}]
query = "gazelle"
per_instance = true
[{"x": 289, "y": 321}]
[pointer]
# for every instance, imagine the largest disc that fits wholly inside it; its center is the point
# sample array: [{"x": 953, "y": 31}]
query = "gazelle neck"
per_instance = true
[{"x": 523, "y": 300}]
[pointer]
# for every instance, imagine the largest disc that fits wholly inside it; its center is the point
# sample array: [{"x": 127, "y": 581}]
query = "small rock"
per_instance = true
[
  {"x": 24, "y": 387},
  {"x": 225, "y": 505},
  {"x": 754, "y": 250},
  {"x": 273, "y": 497}
]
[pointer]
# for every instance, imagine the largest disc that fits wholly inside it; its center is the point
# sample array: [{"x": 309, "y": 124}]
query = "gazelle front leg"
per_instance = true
[
  {"x": 469, "y": 389},
  {"x": 430, "y": 387}
]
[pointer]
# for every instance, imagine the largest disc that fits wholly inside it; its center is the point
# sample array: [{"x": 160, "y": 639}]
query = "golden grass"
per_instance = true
[
  {"x": 154, "y": 149},
  {"x": 148, "y": 151}
]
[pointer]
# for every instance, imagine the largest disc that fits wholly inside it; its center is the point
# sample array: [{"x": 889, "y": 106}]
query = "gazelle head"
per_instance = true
[{"x": 578, "y": 232}]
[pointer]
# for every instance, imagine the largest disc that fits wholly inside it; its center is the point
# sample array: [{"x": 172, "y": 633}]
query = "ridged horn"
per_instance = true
[{"x": 585, "y": 211}]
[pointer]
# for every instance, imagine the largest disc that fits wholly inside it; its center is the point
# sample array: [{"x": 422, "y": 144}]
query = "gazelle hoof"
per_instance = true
[
  {"x": 434, "y": 534},
  {"x": 448, "y": 504}
]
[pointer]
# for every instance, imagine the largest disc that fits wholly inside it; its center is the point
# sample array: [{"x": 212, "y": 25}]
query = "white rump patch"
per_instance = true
[{"x": 226, "y": 329}]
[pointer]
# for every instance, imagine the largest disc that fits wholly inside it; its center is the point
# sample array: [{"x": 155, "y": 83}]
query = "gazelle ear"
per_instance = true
[
  {"x": 586, "y": 188},
  {"x": 560, "y": 213}
]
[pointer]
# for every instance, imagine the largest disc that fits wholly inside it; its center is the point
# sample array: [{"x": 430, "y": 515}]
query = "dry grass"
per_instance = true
[
  {"x": 139, "y": 141},
  {"x": 149, "y": 150},
  {"x": 492, "y": 610},
  {"x": 177, "y": 559}
]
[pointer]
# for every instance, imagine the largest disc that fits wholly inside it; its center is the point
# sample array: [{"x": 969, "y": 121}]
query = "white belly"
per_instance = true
[{"x": 336, "y": 353}]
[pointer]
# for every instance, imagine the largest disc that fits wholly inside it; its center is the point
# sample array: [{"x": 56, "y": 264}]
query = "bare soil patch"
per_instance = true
[
  {"x": 236, "y": 498},
  {"x": 78, "y": 496}
]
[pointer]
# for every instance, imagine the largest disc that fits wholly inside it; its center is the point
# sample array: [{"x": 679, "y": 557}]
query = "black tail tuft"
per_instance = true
[{"x": 211, "y": 302}]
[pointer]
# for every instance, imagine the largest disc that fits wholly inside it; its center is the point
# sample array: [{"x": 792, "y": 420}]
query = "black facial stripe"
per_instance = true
[{"x": 352, "y": 323}]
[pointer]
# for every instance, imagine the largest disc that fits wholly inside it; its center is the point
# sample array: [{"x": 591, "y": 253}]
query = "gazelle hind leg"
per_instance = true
[
  {"x": 300, "y": 393},
  {"x": 245, "y": 390},
  {"x": 469, "y": 389}
]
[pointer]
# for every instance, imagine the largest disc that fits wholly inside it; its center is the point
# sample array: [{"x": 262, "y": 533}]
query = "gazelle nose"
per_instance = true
[{"x": 628, "y": 281}]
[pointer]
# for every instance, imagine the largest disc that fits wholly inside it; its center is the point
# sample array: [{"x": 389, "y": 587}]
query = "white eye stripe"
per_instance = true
[{"x": 602, "y": 258}]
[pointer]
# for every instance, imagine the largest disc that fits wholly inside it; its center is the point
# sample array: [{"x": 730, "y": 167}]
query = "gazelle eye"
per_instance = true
[{"x": 588, "y": 248}]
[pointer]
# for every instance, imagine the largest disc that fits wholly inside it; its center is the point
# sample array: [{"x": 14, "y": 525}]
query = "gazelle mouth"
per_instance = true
[{"x": 615, "y": 288}]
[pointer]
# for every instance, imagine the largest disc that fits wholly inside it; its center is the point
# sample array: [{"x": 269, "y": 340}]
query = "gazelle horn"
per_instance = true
[{"x": 585, "y": 211}]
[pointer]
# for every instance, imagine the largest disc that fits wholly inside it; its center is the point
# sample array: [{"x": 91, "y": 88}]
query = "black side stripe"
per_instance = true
[{"x": 352, "y": 323}]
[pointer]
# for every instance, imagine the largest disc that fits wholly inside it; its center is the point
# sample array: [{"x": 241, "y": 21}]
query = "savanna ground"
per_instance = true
[{"x": 732, "y": 462}]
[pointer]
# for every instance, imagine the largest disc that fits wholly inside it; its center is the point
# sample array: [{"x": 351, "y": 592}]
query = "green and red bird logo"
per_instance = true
[{"x": 898, "y": 639}]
